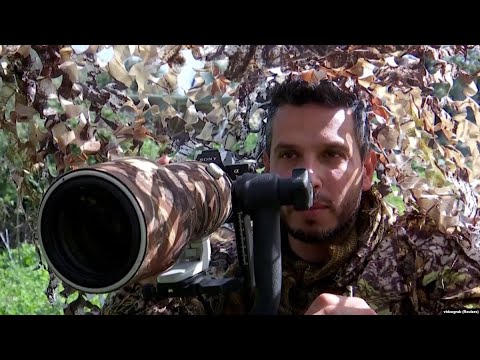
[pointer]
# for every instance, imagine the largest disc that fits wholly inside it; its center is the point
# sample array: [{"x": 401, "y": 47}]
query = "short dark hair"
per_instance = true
[{"x": 325, "y": 93}]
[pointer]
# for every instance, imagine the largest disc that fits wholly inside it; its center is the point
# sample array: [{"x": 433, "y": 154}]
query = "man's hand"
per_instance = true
[
  {"x": 329, "y": 304},
  {"x": 163, "y": 160}
]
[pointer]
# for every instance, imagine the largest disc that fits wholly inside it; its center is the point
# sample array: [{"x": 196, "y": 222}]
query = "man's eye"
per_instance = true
[
  {"x": 287, "y": 155},
  {"x": 332, "y": 154}
]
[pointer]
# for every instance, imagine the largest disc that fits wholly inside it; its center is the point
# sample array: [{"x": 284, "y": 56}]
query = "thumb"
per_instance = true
[{"x": 163, "y": 160}]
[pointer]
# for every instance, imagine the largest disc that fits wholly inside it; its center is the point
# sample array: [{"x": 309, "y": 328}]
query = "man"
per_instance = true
[{"x": 340, "y": 256}]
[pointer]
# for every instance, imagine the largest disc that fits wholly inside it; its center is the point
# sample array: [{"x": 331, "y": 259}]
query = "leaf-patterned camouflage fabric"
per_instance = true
[
  {"x": 69, "y": 106},
  {"x": 406, "y": 268}
]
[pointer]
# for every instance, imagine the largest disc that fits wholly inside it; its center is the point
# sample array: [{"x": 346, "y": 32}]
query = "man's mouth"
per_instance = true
[{"x": 317, "y": 206}]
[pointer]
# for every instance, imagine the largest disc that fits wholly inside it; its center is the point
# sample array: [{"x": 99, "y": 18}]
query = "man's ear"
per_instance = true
[
  {"x": 369, "y": 165},
  {"x": 266, "y": 161}
]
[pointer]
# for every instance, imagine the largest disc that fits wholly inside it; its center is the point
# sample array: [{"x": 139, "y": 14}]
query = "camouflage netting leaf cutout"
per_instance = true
[{"x": 69, "y": 106}]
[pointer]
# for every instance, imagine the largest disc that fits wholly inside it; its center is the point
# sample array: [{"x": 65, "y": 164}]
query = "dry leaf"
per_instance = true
[
  {"x": 62, "y": 136},
  {"x": 71, "y": 110},
  {"x": 138, "y": 73},
  {"x": 191, "y": 116},
  {"x": 118, "y": 72},
  {"x": 388, "y": 138},
  {"x": 25, "y": 113},
  {"x": 206, "y": 133},
  {"x": 105, "y": 56},
  {"x": 80, "y": 48}
]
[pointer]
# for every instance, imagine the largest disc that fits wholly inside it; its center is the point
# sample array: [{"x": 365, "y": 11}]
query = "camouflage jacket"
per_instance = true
[{"x": 405, "y": 268}]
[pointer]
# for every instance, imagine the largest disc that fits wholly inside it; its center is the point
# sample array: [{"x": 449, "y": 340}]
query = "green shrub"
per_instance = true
[{"x": 22, "y": 284}]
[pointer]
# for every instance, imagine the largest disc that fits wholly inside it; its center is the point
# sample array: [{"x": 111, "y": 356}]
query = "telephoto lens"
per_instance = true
[{"x": 114, "y": 223}]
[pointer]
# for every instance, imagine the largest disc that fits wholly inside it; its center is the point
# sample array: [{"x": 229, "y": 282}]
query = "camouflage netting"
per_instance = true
[{"x": 69, "y": 106}]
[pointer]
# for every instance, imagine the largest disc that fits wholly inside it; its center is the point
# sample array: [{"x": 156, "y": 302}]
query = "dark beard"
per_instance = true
[{"x": 326, "y": 237}]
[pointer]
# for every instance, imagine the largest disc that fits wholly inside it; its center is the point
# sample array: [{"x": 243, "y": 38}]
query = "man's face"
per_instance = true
[{"x": 322, "y": 140}]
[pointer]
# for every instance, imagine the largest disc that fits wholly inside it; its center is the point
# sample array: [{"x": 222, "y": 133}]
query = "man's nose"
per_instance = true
[
  {"x": 315, "y": 178},
  {"x": 313, "y": 166}
]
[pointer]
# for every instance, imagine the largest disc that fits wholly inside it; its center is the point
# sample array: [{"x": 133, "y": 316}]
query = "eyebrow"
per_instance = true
[{"x": 332, "y": 145}]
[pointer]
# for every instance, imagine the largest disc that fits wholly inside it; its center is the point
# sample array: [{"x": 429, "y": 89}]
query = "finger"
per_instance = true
[
  {"x": 326, "y": 299},
  {"x": 344, "y": 310},
  {"x": 163, "y": 160}
]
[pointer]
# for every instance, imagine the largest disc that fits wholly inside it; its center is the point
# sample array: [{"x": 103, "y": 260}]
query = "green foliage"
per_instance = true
[
  {"x": 22, "y": 284},
  {"x": 7, "y": 187},
  {"x": 469, "y": 63},
  {"x": 396, "y": 201},
  {"x": 151, "y": 149},
  {"x": 248, "y": 145}
]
